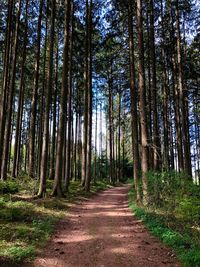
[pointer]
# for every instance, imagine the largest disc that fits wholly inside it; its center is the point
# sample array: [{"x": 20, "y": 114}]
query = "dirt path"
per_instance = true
[{"x": 102, "y": 232}]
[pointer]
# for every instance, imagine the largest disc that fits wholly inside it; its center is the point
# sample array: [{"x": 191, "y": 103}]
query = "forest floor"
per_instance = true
[{"x": 102, "y": 232}]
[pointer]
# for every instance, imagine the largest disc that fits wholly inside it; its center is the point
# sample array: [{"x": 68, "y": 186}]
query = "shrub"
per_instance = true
[
  {"x": 9, "y": 187},
  {"x": 189, "y": 209},
  {"x": 176, "y": 194}
]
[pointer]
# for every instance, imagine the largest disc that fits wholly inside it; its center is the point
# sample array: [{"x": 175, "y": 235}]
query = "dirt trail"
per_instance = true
[{"x": 102, "y": 232}]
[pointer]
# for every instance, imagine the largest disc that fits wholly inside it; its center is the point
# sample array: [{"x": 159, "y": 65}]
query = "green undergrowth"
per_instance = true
[
  {"x": 27, "y": 223},
  {"x": 171, "y": 229}
]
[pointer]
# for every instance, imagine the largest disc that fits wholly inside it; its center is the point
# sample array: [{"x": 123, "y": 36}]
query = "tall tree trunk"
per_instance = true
[
  {"x": 175, "y": 93},
  {"x": 3, "y": 100},
  {"x": 166, "y": 92},
  {"x": 4, "y": 164},
  {"x": 107, "y": 149},
  {"x": 96, "y": 136},
  {"x": 101, "y": 142},
  {"x": 111, "y": 130},
  {"x": 86, "y": 78},
  {"x": 184, "y": 122},
  {"x": 70, "y": 115},
  {"x": 134, "y": 114},
  {"x": 149, "y": 117},
  {"x": 80, "y": 147},
  {"x": 53, "y": 148},
  {"x": 177, "y": 117},
  {"x": 119, "y": 138},
  {"x": 156, "y": 137},
  {"x": 21, "y": 101},
  {"x": 89, "y": 142},
  {"x": 41, "y": 115},
  {"x": 45, "y": 139},
  {"x": 35, "y": 96},
  {"x": 75, "y": 148},
  {"x": 171, "y": 138},
  {"x": 142, "y": 105},
  {"x": 72, "y": 146},
  {"x": 57, "y": 190}
]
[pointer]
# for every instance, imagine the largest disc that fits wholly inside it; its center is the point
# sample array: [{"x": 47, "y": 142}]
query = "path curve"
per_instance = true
[{"x": 102, "y": 232}]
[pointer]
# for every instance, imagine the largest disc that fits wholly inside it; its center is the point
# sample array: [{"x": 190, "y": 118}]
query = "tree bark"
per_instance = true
[
  {"x": 134, "y": 113},
  {"x": 156, "y": 137},
  {"x": 111, "y": 129},
  {"x": 53, "y": 148},
  {"x": 89, "y": 142},
  {"x": 8, "y": 125},
  {"x": 70, "y": 115},
  {"x": 119, "y": 138},
  {"x": 57, "y": 190},
  {"x": 45, "y": 139},
  {"x": 35, "y": 96},
  {"x": 166, "y": 92},
  {"x": 21, "y": 101},
  {"x": 85, "y": 125},
  {"x": 6, "y": 68},
  {"x": 142, "y": 105},
  {"x": 184, "y": 122}
]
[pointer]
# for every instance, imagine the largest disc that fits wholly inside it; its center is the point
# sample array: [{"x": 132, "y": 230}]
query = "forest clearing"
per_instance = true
[{"x": 99, "y": 133}]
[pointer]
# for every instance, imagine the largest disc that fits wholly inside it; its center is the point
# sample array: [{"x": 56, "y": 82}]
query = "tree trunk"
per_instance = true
[
  {"x": 96, "y": 136},
  {"x": 4, "y": 164},
  {"x": 134, "y": 114},
  {"x": 53, "y": 148},
  {"x": 156, "y": 138},
  {"x": 21, "y": 101},
  {"x": 111, "y": 130},
  {"x": 45, "y": 139},
  {"x": 6, "y": 68},
  {"x": 175, "y": 96},
  {"x": 89, "y": 142},
  {"x": 184, "y": 122},
  {"x": 70, "y": 116},
  {"x": 149, "y": 117},
  {"x": 100, "y": 142},
  {"x": 35, "y": 97},
  {"x": 57, "y": 190},
  {"x": 166, "y": 92},
  {"x": 142, "y": 105},
  {"x": 177, "y": 118},
  {"x": 41, "y": 115},
  {"x": 86, "y": 78},
  {"x": 119, "y": 139}
]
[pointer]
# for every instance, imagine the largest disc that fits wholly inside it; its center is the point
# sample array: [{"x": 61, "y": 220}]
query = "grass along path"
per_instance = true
[
  {"x": 27, "y": 224},
  {"x": 170, "y": 231}
]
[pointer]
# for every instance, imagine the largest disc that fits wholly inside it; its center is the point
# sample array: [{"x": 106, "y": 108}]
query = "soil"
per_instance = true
[{"x": 102, "y": 232}]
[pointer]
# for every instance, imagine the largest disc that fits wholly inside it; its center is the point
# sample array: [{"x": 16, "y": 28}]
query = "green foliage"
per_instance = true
[
  {"x": 15, "y": 210},
  {"x": 189, "y": 209},
  {"x": 29, "y": 185},
  {"x": 174, "y": 225},
  {"x": 24, "y": 226},
  {"x": 175, "y": 193},
  {"x": 191, "y": 257},
  {"x": 9, "y": 187},
  {"x": 100, "y": 185},
  {"x": 20, "y": 253}
]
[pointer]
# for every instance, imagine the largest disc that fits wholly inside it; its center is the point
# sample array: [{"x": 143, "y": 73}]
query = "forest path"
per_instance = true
[{"x": 102, "y": 232}]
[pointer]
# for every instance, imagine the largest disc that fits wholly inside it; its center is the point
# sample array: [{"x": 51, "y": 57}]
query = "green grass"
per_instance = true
[
  {"x": 171, "y": 231},
  {"x": 27, "y": 224}
]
